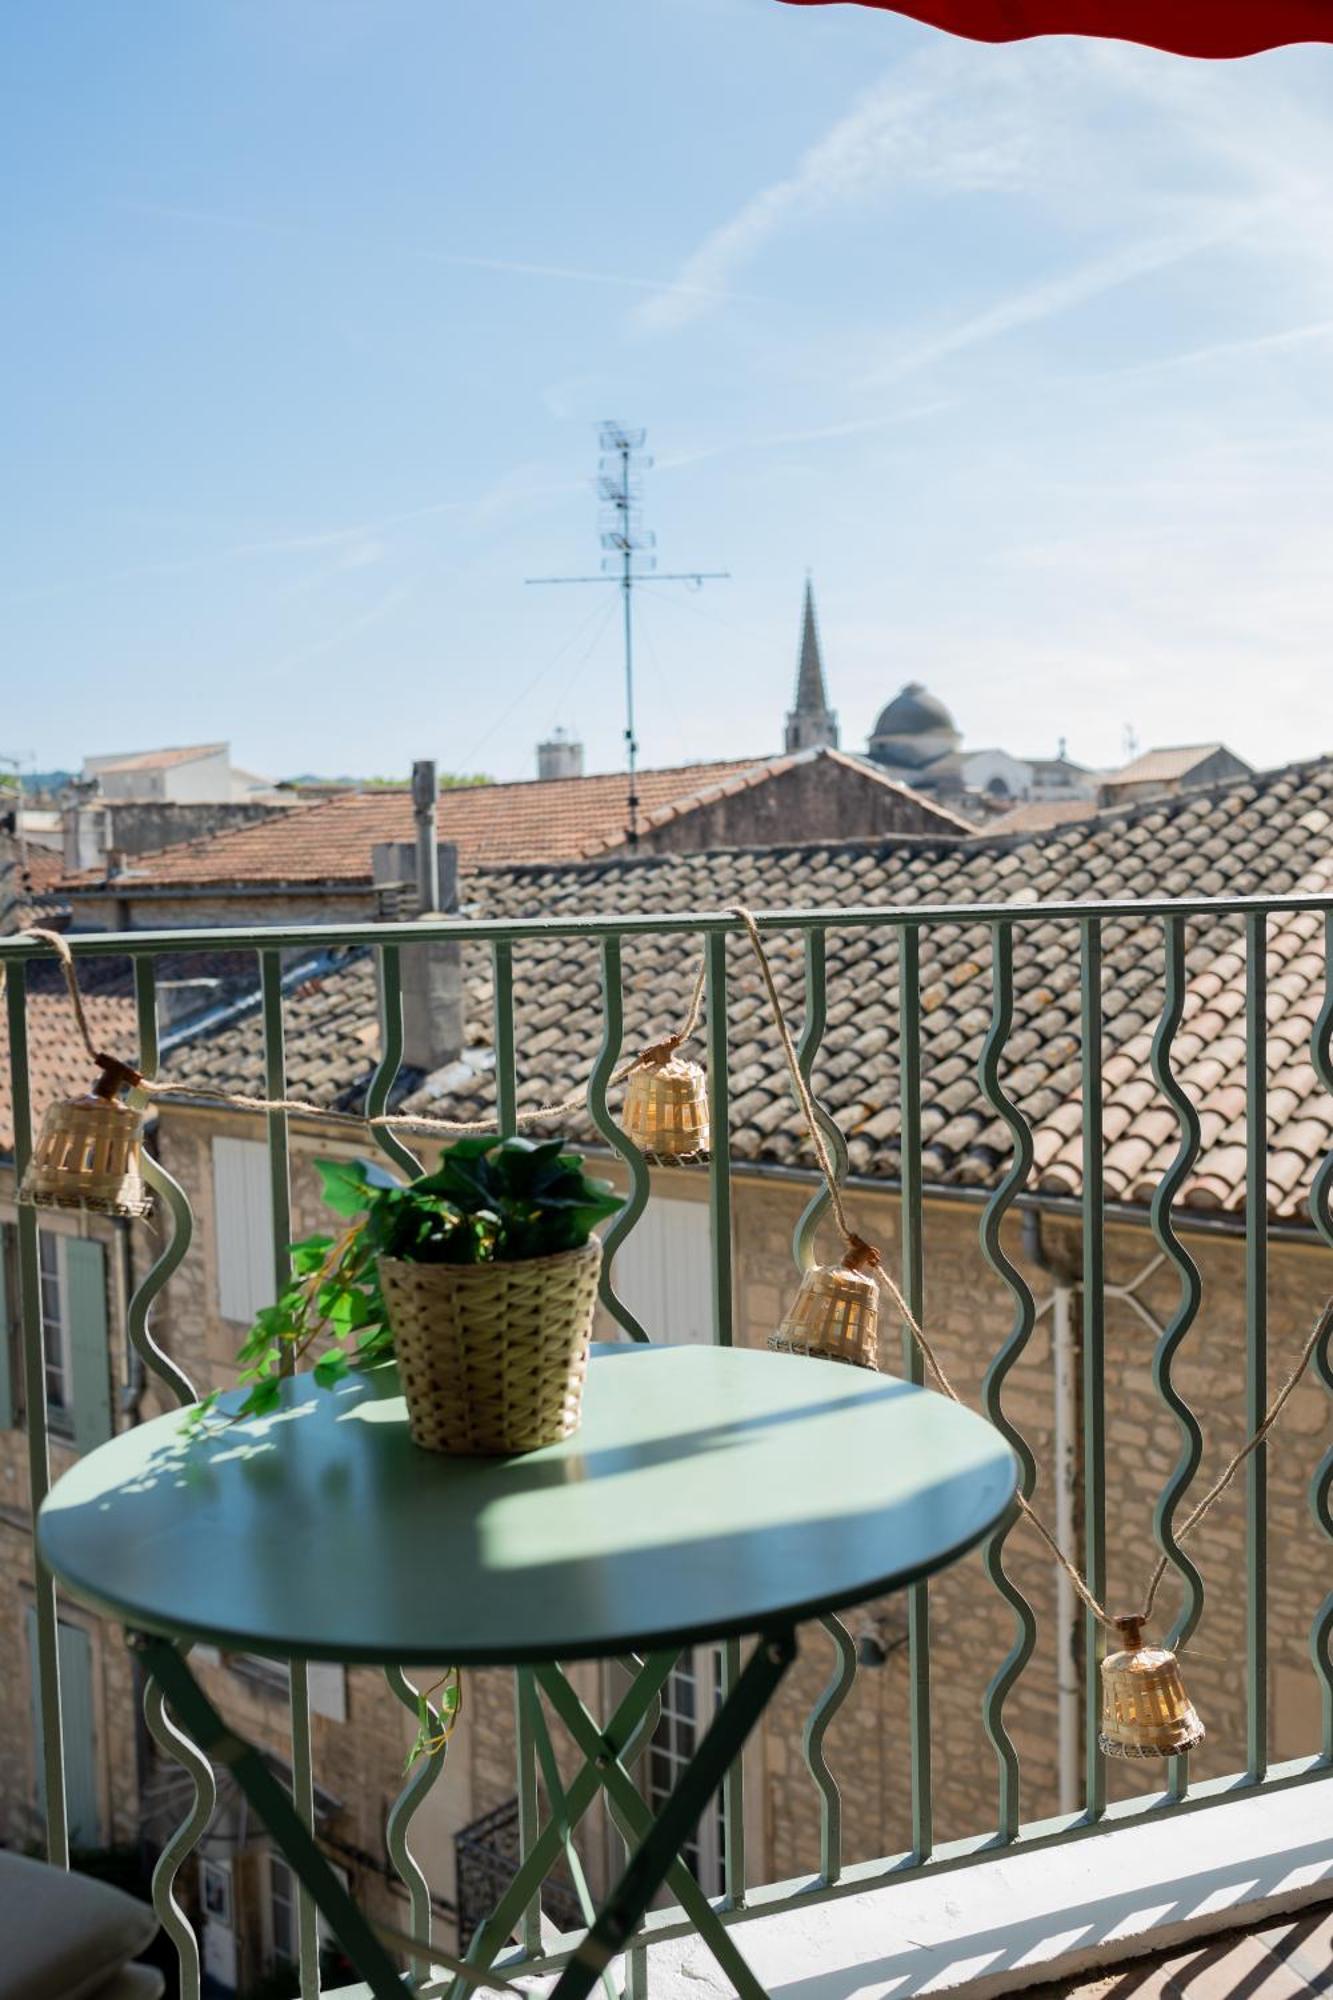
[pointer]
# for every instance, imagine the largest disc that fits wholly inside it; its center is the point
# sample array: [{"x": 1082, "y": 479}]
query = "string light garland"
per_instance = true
[{"x": 1146, "y": 1712}]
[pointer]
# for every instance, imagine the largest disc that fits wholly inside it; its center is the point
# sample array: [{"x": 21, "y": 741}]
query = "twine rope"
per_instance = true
[
  {"x": 654, "y": 1056},
  {"x": 859, "y": 1252}
]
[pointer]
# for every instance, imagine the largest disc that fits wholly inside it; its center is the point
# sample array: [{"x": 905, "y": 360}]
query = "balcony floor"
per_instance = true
[{"x": 1287, "y": 1960}]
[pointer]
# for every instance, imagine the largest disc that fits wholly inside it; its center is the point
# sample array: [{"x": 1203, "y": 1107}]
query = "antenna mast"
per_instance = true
[{"x": 620, "y": 472}]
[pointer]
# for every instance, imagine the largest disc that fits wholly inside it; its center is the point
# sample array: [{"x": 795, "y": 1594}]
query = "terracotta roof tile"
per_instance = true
[
  {"x": 858, "y": 1068},
  {"x": 546, "y": 820},
  {"x": 158, "y": 760},
  {"x": 1163, "y": 765}
]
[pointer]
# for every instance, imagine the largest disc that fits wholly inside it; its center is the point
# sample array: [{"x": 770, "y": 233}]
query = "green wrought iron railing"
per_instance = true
[{"x": 534, "y": 1945}]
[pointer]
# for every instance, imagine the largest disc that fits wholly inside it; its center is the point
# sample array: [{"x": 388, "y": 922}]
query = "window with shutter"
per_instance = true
[
  {"x": 51, "y": 1283},
  {"x": 663, "y": 1273},
  {"x": 78, "y": 1732},
  {"x": 9, "y": 1320},
  {"x": 244, "y": 1228},
  {"x": 325, "y": 1679},
  {"x": 86, "y": 1337}
]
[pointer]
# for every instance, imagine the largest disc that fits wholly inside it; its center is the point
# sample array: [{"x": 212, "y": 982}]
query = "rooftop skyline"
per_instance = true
[{"x": 1021, "y": 350}]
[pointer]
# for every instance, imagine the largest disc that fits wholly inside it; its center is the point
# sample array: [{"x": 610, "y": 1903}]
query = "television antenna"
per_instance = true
[{"x": 628, "y": 561}]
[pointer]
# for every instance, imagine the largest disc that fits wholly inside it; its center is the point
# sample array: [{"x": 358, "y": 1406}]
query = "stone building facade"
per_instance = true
[
  {"x": 105, "y": 1751},
  {"x": 360, "y": 1739}
]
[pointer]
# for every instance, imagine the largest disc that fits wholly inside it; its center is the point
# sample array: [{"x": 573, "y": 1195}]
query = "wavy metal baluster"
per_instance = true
[
  {"x": 834, "y": 1693},
  {"x": 1025, "y": 1312},
  {"x": 52, "y": 1748},
  {"x": 175, "y": 1744},
  {"x": 1321, "y": 1485},
  {"x": 389, "y": 983},
  {"x": 170, "y": 1739},
  {"x": 1191, "y": 1289},
  {"x": 403, "y": 1810},
  {"x": 613, "y": 1031}
]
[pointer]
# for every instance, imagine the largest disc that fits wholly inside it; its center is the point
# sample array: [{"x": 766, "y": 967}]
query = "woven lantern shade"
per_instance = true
[
  {"x": 666, "y": 1109},
  {"x": 1145, "y": 1709},
  {"x": 835, "y": 1314},
  {"x": 89, "y": 1152}
]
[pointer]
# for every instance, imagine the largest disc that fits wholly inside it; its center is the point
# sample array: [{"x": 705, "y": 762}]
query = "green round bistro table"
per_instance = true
[{"x": 711, "y": 1493}]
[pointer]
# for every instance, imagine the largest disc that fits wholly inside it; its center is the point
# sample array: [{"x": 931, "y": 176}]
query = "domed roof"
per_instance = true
[{"x": 915, "y": 712}]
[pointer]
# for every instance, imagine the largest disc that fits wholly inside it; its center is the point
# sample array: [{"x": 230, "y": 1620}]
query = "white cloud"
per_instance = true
[
  {"x": 1031, "y": 304},
  {"x": 914, "y": 127}
]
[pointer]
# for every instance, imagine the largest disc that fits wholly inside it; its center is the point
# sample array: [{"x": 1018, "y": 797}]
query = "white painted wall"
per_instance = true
[
  {"x": 980, "y": 768},
  {"x": 244, "y": 1228}
]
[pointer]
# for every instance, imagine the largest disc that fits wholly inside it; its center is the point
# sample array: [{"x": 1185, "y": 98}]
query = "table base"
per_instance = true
[{"x": 657, "y": 1841}]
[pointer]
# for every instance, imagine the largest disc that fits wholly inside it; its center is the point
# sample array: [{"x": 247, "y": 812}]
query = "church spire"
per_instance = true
[{"x": 812, "y": 723}]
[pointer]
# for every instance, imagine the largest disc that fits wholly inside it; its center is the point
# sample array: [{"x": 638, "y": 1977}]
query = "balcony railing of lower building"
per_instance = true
[{"x": 1056, "y": 981}]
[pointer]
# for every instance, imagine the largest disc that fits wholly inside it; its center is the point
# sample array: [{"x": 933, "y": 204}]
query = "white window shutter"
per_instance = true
[
  {"x": 86, "y": 1330},
  {"x": 244, "y": 1228},
  {"x": 663, "y": 1273},
  {"x": 327, "y": 1682},
  {"x": 6, "y": 1340}
]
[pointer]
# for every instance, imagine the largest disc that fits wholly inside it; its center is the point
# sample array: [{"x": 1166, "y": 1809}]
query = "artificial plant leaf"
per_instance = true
[
  {"x": 309, "y": 1255},
  {"x": 263, "y": 1397},
  {"x": 346, "y": 1186}
]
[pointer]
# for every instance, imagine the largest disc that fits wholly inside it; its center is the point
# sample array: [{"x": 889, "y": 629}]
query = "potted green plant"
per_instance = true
[{"x": 480, "y": 1278}]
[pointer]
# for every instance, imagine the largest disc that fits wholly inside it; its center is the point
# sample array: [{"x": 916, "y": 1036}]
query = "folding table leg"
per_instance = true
[
  {"x": 275, "y": 1809},
  {"x": 678, "y": 1818}
]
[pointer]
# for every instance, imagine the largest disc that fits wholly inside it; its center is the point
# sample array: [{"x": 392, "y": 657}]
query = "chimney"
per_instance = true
[
  {"x": 85, "y": 827},
  {"x": 432, "y": 975},
  {"x": 425, "y": 798},
  {"x": 559, "y": 757}
]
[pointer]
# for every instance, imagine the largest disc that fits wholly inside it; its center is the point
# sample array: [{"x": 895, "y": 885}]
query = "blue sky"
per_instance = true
[{"x": 312, "y": 308}]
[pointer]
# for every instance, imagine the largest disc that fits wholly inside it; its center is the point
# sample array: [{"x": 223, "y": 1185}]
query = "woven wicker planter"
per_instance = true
[{"x": 492, "y": 1357}]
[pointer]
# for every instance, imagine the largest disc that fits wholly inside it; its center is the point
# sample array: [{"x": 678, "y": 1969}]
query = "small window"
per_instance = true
[
  {"x": 273, "y": 1675},
  {"x": 244, "y": 1228},
  {"x": 215, "y": 1884},
  {"x": 283, "y": 1940},
  {"x": 11, "y": 1354},
  {"x": 691, "y": 1695},
  {"x": 281, "y": 1909},
  {"x": 326, "y": 1682},
  {"x": 53, "y": 1279}
]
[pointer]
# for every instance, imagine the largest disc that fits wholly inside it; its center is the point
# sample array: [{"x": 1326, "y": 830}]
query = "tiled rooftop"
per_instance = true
[
  {"x": 1161, "y": 766},
  {"x": 1039, "y": 815},
  {"x": 1267, "y": 834},
  {"x": 552, "y": 820},
  {"x": 156, "y": 760}
]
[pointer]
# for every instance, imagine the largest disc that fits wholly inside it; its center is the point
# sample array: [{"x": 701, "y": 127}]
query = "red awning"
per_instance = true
[{"x": 1185, "y": 27}]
